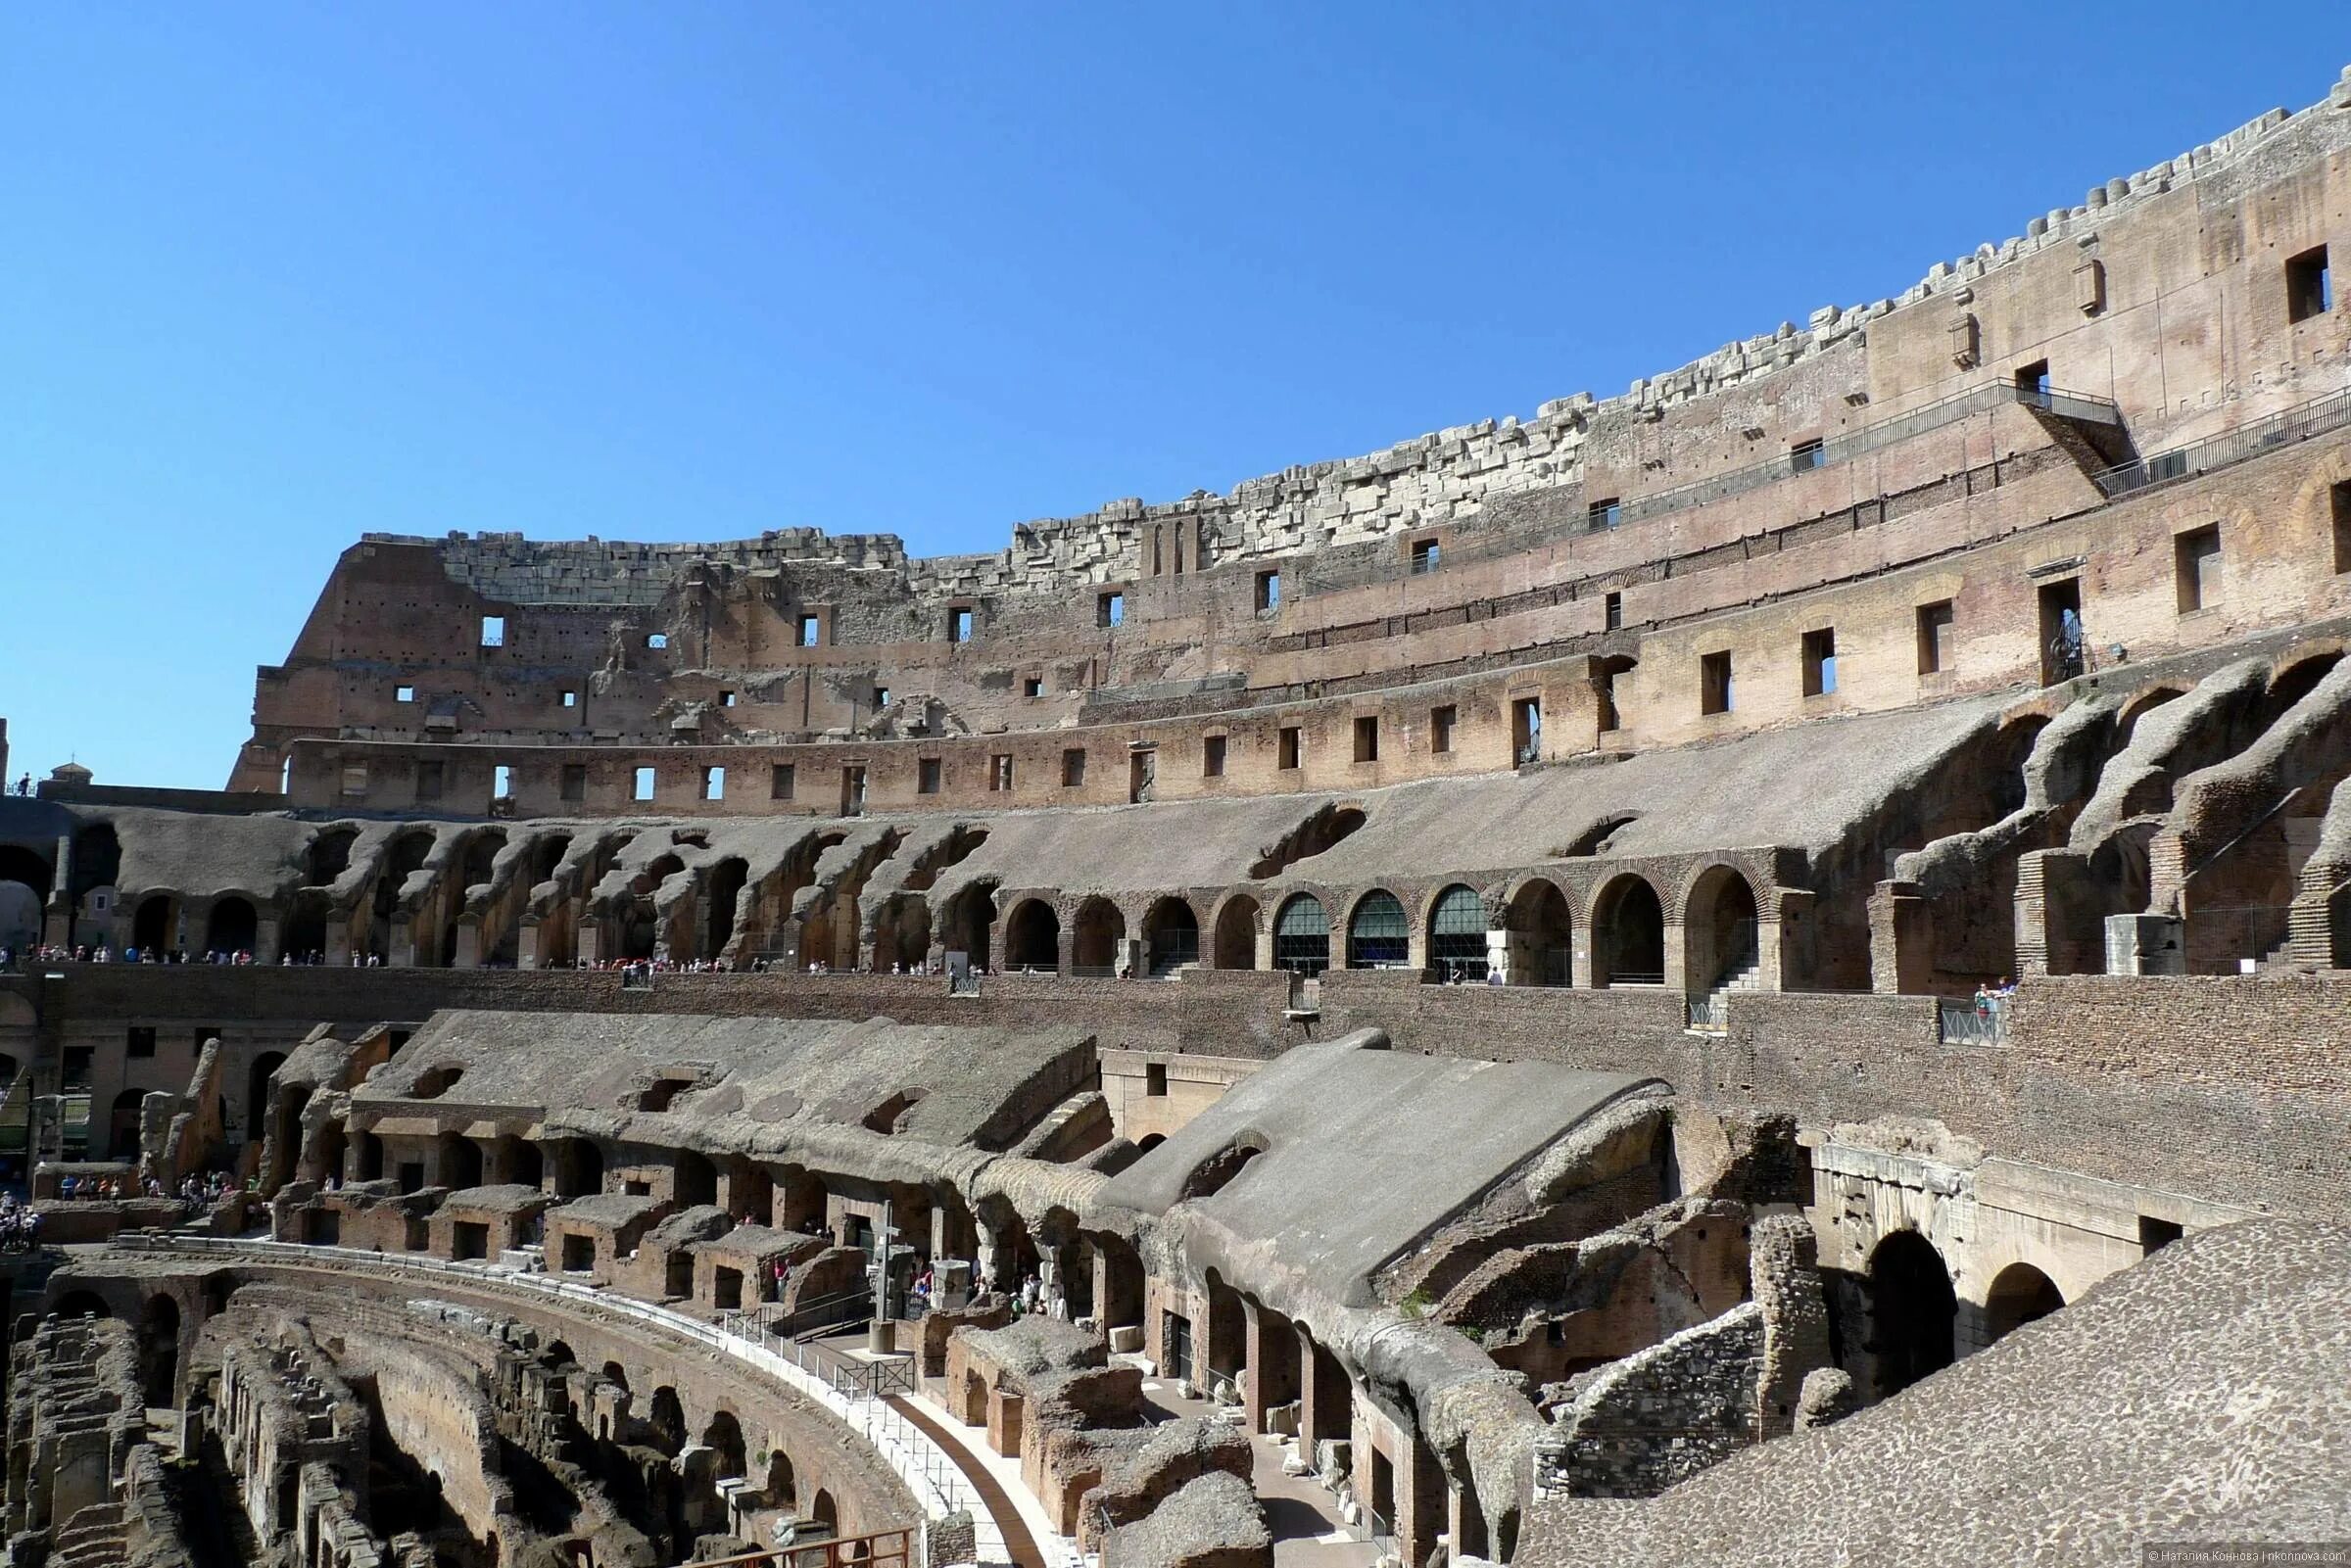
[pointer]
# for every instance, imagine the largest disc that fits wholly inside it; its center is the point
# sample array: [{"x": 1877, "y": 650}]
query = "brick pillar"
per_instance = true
[
  {"x": 1902, "y": 941},
  {"x": 1420, "y": 1501},
  {"x": 1311, "y": 1394}
]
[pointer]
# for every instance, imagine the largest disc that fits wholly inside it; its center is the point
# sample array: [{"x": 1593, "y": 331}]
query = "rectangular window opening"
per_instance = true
[
  {"x": 778, "y": 782},
  {"x": 726, "y": 699},
  {"x": 1806, "y": 455},
  {"x": 1612, "y": 612},
  {"x": 2154, "y": 1235},
  {"x": 1605, "y": 513},
  {"x": 431, "y": 776},
  {"x": 502, "y": 783},
  {"x": 1526, "y": 731},
  {"x": 1212, "y": 757},
  {"x": 642, "y": 784},
  {"x": 714, "y": 784},
  {"x": 1073, "y": 767},
  {"x": 355, "y": 779},
  {"x": 575, "y": 781},
  {"x": 2197, "y": 567},
  {"x": 926, "y": 774},
  {"x": 999, "y": 771},
  {"x": 657, "y": 640},
  {"x": 1154, "y": 1080},
  {"x": 1290, "y": 746},
  {"x": 1820, "y": 662},
  {"x": 2033, "y": 382},
  {"x": 2309, "y": 287},
  {"x": 2064, "y": 640},
  {"x": 1269, "y": 592},
  {"x": 812, "y": 631},
  {"x": 571, "y": 700},
  {"x": 1110, "y": 609},
  {"x": 494, "y": 631},
  {"x": 959, "y": 626},
  {"x": 403, "y": 693},
  {"x": 881, "y": 698},
  {"x": 141, "y": 1043},
  {"x": 1714, "y": 683},
  {"x": 1033, "y": 687},
  {"x": 1935, "y": 649},
  {"x": 1425, "y": 556},
  {"x": 1367, "y": 737},
  {"x": 1440, "y": 729},
  {"x": 852, "y": 791}
]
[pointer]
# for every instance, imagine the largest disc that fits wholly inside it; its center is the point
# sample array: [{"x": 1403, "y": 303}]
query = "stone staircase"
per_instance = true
[{"x": 94, "y": 1538}]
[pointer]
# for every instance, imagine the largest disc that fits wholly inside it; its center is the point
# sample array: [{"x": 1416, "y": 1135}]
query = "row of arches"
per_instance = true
[{"x": 1720, "y": 924}]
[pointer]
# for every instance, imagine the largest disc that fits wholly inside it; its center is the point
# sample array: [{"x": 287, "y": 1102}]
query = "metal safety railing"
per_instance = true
[
  {"x": 881, "y": 1548},
  {"x": 2299, "y": 424},
  {"x": 938, "y": 1484},
  {"x": 1969, "y": 1021},
  {"x": 1709, "y": 1011}
]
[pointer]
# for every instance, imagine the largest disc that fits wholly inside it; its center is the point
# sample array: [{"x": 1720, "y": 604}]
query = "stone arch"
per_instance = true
[
  {"x": 639, "y": 911},
  {"x": 782, "y": 1488},
  {"x": 1170, "y": 935},
  {"x": 1628, "y": 933},
  {"x": 1542, "y": 927},
  {"x": 2020, "y": 1294},
  {"x": 723, "y": 1435},
  {"x": 231, "y": 926},
  {"x": 18, "y": 864},
  {"x": 460, "y": 1161},
  {"x": 1301, "y": 936},
  {"x": 1720, "y": 941},
  {"x": 2141, "y": 704},
  {"x": 1236, "y": 923},
  {"x": 825, "y": 1512},
  {"x": 971, "y": 921},
  {"x": 667, "y": 1418},
  {"x": 327, "y": 856},
  {"x": 155, "y": 923},
  {"x": 1095, "y": 936},
  {"x": 1456, "y": 935},
  {"x": 1379, "y": 934},
  {"x": 1913, "y": 1310},
  {"x": 81, "y": 1303},
  {"x": 1033, "y": 936},
  {"x": 402, "y": 858},
  {"x": 902, "y": 932},
  {"x": 726, "y": 884}
]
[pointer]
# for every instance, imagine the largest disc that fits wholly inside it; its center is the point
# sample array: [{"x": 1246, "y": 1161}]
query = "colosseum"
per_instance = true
[{"x": 1751, "y": 971}]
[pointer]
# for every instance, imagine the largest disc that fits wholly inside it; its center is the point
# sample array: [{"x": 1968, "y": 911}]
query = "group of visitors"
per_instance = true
[
  {"x": 20, "y": 1225},
  {"x": 104, "y": 953},
  {"x": 1991, "y": 1001}
]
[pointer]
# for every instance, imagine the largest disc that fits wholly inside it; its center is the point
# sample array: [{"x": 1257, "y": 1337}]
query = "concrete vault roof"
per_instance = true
[
  {"x": 962, "y": 1082},
  {"x": 1363, "y": 1153}
]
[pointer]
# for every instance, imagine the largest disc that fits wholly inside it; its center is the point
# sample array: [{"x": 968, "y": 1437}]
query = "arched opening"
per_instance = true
[
  {"x": 724, "y": 1437},
  {"x": 256, "y": 1093},
  {"x": 460, "y": 1161},
  {"x": 1609, "y": 689},
  {"x": 1033, "y": 938},
  {"x": 1542, "y": 936},
  {"x": 726, "y": 888},
  {"x": 1457, "y": 936},
  {"x": 1214, "y": 1173},
  {"x": 403, "y": 857},
  {"x": 1628, "y": 935},
  {"x": 825, "y": 1513},
  {"x": 1151, "y": 1141},
  {"x": 18, "y": 864},
  {"x": 902, "y": 933},
  {"x": 1301, "y": 936},
  {"x": 371, "y": 1149},
  {"x": 122, "y": 1128},
  {"x": 327, "y": 857},
  {"x": 561, "y": 1357},
  {"x": 972, "y": 922},
  {"x": 1378, "y": 936},
  {"x": 579, "y": 1168},
  {"x": 640, "y": 918},
  {"x": 1170, "y": 935},
  {"x": 159, "y": 1352},
  {"x": 1719, "y": 948},
  {"x": 1236, "y": 934},
  {"x": 781, "y": 1489},
  {"x": 1095, "y": 937},
  {"x": 668, "y": 1421},
  {"x": 1323, "y": 829},
  {"x": 155, "y": 923},
  {"x": 1225, "y": 1353},
  {"x": 304, "y": 933},
  {"x": 2020, "y": 1294},
  {"x": 1913, "y": 1310},
  {"x": 81, "y": 1303},
  {"x": 2293, "y": 683}
]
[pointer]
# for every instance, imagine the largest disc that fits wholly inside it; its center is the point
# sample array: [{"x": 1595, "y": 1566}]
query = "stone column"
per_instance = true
[{"x": 1902, "y": 941}]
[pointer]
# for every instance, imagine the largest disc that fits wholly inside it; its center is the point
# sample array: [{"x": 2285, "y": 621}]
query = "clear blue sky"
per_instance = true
[{"x": 271, "y": 276}]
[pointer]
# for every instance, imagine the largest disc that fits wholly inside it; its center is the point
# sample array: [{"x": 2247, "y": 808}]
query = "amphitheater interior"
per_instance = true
[{"x": 1754, "y": 971}]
